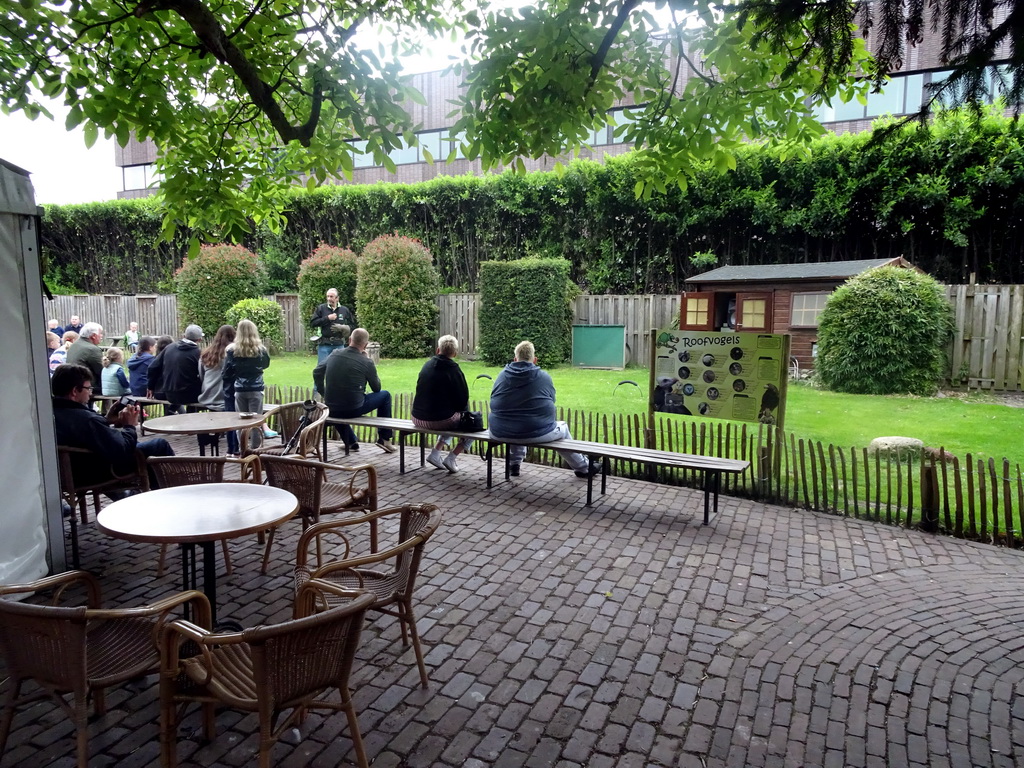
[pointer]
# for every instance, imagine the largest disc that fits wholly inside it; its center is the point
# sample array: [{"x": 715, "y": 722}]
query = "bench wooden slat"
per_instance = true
[{"x": 711, "y": 466}]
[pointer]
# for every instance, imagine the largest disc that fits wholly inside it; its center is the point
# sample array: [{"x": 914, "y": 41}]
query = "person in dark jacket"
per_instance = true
[
  {"x": 342, "y": 380},
  {"x": 244, "y": 363},
  {"x": 86, "y": 351},
  {"x": 523, "y": 409},
  {"x": 441, "y": 397},
  {"x": 112, "y": 438},
  {"x": 335, "y": 323},
  {"x": 138, "y": 367},
  {"x": 177, "y": 371}
]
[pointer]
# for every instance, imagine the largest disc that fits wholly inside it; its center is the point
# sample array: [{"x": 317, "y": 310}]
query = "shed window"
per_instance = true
[{"x": 806, "y": 309}]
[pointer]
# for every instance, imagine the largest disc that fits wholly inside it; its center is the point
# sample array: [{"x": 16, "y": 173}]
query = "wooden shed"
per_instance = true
[{"x": 771, "y": 298}]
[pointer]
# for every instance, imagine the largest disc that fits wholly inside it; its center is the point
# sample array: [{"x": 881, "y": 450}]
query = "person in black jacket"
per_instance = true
[
  {"x": 441, "y": 397},
  {"x": 335, "y": 323},
  {"x": 176, "y": 370},
  {"x": 111, "y": 438}
]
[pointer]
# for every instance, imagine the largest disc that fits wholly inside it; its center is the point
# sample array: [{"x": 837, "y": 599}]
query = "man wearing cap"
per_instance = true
[{"x": 178, "y": 370}]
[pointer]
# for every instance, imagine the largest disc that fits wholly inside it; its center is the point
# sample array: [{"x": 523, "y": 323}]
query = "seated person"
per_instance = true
[
  {"x": 523, "y": 408},
  {"x": 131, "y": 337},
  {"x": 342, "y": 379},
  {"x": 441, "y": 397},
  {"x": 111, "y": 438}
]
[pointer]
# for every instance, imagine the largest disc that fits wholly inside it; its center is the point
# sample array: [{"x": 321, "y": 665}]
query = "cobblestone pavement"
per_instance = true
[{"x": 625, "y": 634}]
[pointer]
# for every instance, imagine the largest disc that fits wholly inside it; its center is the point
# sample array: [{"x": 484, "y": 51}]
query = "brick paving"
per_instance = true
[{"x": 625, "y": 634}]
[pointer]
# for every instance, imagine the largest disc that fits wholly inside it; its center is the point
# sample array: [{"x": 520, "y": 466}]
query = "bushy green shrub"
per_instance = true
[
  {"x": 327, "y": 267},
  {"x": 209, "y": 284},
  {"x": 397, "y": 295},
  {"x": 526, "y": 299},
  {"x": 884, "y": 332},
  {"x": 268, "y": 317}
]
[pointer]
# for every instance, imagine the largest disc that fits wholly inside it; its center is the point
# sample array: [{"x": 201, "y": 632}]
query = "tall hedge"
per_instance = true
[
  {"x": 396, "y": 294},
  {"x": 526, "y": 299},
  {"x": 885, "y": 332},
  {"x": 216, "y": 278},
  {"x": 948, "y": 196},
  {"x": 267, "y": 315},
  {"x": 327, "y": 267}
]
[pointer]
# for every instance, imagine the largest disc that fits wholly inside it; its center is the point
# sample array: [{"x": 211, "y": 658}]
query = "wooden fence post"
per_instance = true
[{"x": 929, "y": 498}]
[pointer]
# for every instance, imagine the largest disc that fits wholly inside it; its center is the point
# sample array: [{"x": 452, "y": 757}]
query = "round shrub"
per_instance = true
[
  {"x": 397, "y": 295},
  {"x": 215, "y": 279},
  {"x": 885, "y": 332},
  {"x": 268, "y": 317},
  {"x": 327, "y": 267}
]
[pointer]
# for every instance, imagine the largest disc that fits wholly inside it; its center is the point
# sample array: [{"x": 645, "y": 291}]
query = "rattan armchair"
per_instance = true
[
  {"x": 318, "y": 494},
  {"x": 267, "y": 670},
  {"x": 288, "y": 419},
  {"x": 76, "y": 464},
  {"x": 79, "y": 650},
  {"x": 390, "y": 574},
  {"x": 171, "y": 471}
]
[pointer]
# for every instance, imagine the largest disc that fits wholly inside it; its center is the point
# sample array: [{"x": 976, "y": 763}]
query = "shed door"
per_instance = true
[
  {"x": 696, "y": 312},
  {"x": 754, "y": 312}
]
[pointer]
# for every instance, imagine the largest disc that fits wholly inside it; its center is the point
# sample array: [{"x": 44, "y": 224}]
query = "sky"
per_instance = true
[{"x": 63, "y": 170}]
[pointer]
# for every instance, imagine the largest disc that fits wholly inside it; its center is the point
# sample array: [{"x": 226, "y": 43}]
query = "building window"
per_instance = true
[
  {"x": 139, "y": 177},
  {"x": 806, "y": 309}
]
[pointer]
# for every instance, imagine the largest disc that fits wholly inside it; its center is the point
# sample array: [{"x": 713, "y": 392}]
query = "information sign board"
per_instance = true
[{"x": 721, "y": 375}]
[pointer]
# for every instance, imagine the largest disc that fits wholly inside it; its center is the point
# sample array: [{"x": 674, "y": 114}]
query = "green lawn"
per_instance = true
[{"x": 961, "y": 425}]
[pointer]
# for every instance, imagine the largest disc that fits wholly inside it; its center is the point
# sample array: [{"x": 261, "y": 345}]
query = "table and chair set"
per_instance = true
[{"x": 366, "y": 560}]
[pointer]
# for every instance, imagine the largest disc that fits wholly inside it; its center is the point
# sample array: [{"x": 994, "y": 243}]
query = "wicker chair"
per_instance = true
[
  {"x": 393, "y": 583},
  {"x": 317, "y": 494},
  {"x": 78, "y": 650},
  {"x": 289, "y": 416},
  {"x": 266, "y": 670},
  {"x": 170, "y": 471},
  {"x": 75, "y": 492}
]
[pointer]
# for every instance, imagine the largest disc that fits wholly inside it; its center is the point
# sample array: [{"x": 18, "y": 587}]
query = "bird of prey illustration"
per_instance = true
[{"x": 769, "y": 402}]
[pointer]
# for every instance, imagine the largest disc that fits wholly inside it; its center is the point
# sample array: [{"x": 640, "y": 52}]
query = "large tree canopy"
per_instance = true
[{"x": 243, "y": 96}]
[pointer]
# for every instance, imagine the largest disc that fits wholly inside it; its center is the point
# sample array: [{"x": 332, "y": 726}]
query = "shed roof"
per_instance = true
[{"x": 839, "y": 270}]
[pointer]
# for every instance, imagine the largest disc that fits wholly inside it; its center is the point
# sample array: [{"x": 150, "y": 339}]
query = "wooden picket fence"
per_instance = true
[{"x": 970, "y": 498}]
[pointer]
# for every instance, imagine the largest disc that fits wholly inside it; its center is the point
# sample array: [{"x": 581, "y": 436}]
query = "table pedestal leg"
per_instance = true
[{"x": 188, "y": 573}]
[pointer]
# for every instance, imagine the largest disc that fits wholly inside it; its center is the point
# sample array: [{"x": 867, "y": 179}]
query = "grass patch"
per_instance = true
[{"x": 961, "y": 425}]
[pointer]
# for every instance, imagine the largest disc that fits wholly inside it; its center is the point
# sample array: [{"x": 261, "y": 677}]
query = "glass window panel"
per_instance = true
[
  {"x": 754, "y": 312},
  {"x": 431, "y": 141},
  {"x": 404, "y": 155},
  {"x": 851, "y": 110},
  {"x": 360, "y": 157},
  {"x": 889, "y": 101},
  {"x": 807, "y": 308},
  {"x": 915, "y": 95},
  {"x": 697, "y": 311},
  {"x": 134, "y": 176}
]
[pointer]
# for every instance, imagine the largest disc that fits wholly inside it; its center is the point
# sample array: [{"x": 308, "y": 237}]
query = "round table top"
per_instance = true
[
  {"x": 197, "y": 513},
  {"x": 203, "y": 422}
]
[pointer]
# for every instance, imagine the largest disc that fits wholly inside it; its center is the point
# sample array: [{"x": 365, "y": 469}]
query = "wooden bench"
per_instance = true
[{"x": 711, "y": 467}]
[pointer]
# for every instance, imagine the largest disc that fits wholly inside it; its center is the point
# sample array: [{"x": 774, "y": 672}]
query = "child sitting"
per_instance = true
[
  {"x": 114, "y": 381},
  {"x": 131, "y": 337}
]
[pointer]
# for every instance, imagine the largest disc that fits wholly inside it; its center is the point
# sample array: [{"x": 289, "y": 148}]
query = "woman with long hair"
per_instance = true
[
  {"x": 244, "y": 364},
  {"x": 211, "y": 371}
]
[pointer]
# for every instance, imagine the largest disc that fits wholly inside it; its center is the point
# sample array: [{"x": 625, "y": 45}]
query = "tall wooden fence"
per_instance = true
[{"x": 987, "y": 350}]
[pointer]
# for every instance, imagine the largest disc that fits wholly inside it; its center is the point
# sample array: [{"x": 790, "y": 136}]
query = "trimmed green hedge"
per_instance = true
[
  {"x": 268, "y": 317},
  {"x": 948, "y": 197},
  {"x": 218, "y": 277},
  {"x": 396, "y": 293},
  {"x": 526, "y": 299}
]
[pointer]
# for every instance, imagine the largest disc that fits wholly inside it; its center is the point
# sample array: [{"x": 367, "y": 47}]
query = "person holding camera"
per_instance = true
[
  {"x": 112, "y": 438},
  {"x": 335, "y": 323}
]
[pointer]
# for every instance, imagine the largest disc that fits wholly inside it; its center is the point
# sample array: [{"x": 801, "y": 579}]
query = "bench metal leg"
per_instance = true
[
  {"x": 488, "y": 456},
  {"x": 401, "y": 452},
  {"x": 712, "y": 484}
]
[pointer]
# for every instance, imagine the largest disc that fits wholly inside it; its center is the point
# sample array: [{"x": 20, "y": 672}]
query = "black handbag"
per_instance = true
[{"x": 471, "y": 421}]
